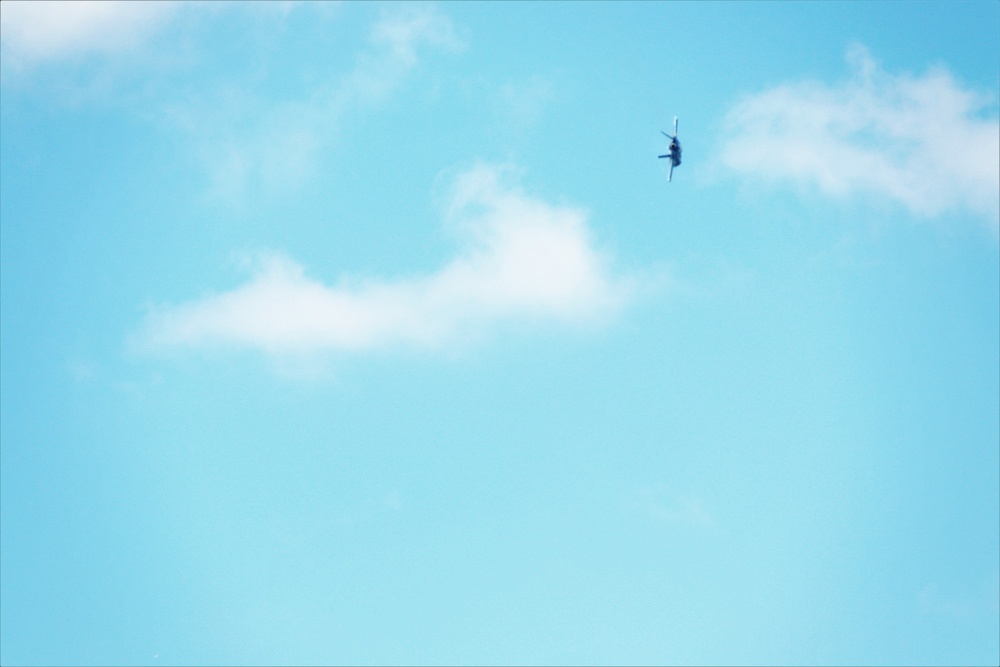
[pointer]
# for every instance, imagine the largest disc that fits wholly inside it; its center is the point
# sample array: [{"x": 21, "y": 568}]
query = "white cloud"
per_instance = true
[
  {"x": 922, "y": 141},
  {"x": 522, "y": 260},
  {"x": 41, "y": 30}
]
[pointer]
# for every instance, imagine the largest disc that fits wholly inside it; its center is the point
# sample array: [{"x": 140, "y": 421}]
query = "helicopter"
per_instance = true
[{"x": 675, "y": 150}]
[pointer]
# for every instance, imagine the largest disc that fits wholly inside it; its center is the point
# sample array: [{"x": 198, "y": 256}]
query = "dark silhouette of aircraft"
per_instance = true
[{"x": 675, "y": 150}]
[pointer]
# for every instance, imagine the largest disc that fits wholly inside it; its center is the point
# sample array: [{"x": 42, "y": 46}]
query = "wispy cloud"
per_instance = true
[
  {"x": 248, "y": 142},
  {"x": 656, "y": 504},
  {"x": 980, "y": 599},
  {"x": 42, "y": 30},
  {"x": 924, "y": 141},
  {"x": 522, "y": 103},
  {"x": 521, "y": 259},
  {"x": 402, "y": 32},
  {"x": 244, "y": 137}
]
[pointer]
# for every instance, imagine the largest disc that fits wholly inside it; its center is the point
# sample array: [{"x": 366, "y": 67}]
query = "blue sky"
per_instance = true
[{"x": 374, "y": 334}]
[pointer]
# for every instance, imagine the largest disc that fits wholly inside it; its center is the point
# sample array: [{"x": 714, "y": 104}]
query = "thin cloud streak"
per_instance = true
[
  {"x": 921, "y": 141},
  {"x": 523, "y": 260}
]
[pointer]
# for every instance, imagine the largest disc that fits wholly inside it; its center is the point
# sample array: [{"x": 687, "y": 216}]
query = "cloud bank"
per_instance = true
[
  {"x": 921, "y": 141},
  {"x": 522, "y": 259}
]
